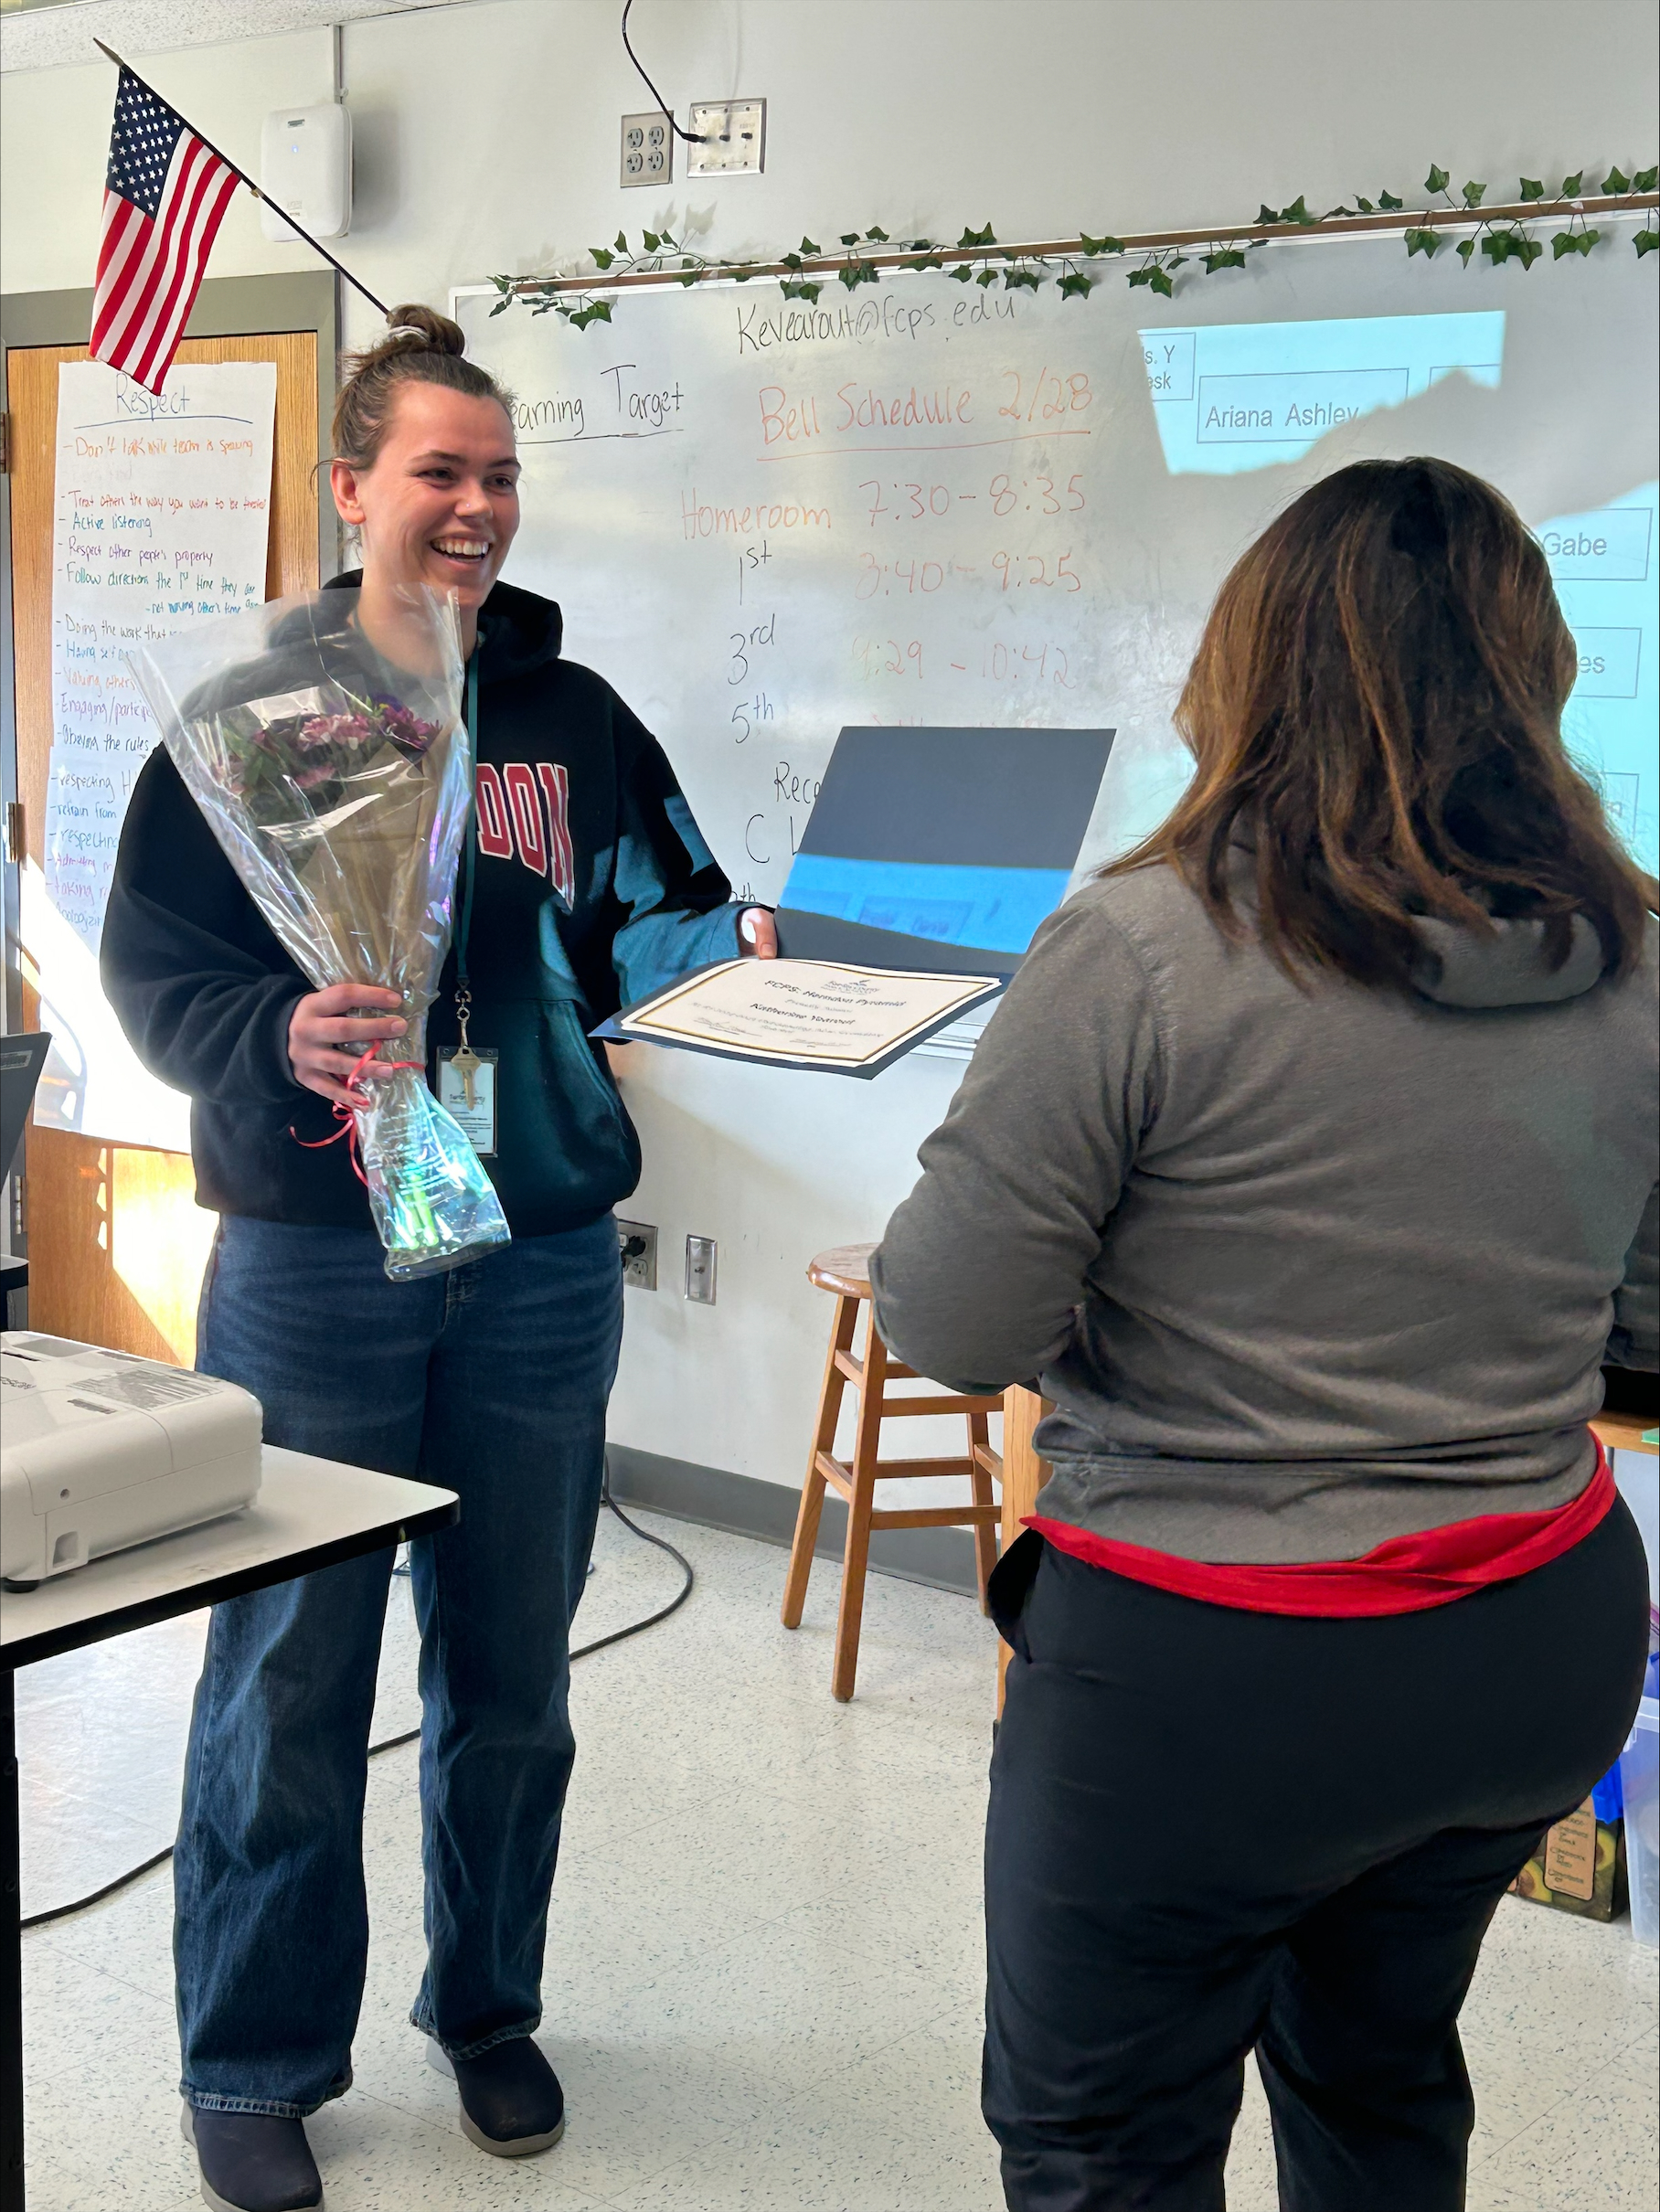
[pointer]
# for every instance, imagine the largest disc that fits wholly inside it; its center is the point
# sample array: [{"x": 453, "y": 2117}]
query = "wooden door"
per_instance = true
[{"x": 116, "y": 1240}]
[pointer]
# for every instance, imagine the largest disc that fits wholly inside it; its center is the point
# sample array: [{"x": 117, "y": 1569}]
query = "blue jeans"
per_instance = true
[{"x": 491, "y": 1380}]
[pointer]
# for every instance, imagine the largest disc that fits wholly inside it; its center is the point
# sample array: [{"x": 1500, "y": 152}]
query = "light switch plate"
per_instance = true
[
  {"x": 700, "y": 1269},
  {"x": 734, "y": 135},
  {"x": 638, "y": 1243},
  {"x": 648, "y": 149}
]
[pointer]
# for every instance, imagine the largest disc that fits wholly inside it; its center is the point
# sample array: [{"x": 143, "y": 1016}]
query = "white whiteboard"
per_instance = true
[{"x": 928, "y": 502}]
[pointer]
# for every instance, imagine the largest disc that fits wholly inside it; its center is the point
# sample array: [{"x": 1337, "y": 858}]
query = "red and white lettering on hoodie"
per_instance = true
[{"x": 524, "y": 812}]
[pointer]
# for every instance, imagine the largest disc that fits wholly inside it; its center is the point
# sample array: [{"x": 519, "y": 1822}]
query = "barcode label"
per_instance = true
[{"x": 147, "y": 1387}]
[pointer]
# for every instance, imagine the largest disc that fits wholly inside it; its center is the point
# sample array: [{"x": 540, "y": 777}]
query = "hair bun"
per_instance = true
[
  {"x": 418, "y": 329},
  {"x": 420, "y": 346}
]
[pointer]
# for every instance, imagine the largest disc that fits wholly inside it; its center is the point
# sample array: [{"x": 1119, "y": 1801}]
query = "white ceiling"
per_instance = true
[{"x": 52, "y": 36}]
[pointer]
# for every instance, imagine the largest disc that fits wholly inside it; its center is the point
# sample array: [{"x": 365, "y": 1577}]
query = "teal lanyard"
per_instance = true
[{"x": 464, "y": 929}]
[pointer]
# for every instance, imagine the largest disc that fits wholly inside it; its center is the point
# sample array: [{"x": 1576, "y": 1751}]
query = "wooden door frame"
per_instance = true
[
  {"x": 126, "y": 1244},
  {"x": 226, "y": 307},
  {"x": 229, "y": 307}
]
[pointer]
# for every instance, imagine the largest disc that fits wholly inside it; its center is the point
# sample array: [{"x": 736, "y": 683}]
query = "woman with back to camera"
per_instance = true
[
  {"x": 1315, "y": 1144},
  {"x": 592, "y": 886}
]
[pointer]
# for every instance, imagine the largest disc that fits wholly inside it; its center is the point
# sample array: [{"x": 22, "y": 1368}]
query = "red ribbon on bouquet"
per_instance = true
[{"x": 347, "y": 1115}]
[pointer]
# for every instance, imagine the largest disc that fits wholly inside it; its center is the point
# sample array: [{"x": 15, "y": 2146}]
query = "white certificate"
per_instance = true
[{"x": 817, "y": 1014}]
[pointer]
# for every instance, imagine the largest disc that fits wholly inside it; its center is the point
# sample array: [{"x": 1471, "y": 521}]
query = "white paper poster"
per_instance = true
[{"x": 162, "y": 519}]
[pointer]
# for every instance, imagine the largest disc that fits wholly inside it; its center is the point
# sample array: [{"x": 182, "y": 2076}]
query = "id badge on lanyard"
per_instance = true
[{"x": 466, "y": 1072}]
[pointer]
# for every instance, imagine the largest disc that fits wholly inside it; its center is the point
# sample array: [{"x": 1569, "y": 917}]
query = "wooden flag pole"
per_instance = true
[{"x": 110, "y": 54}]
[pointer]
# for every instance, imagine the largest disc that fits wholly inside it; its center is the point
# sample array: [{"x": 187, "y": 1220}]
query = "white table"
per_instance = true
[{"x": 310, "y": 1513}]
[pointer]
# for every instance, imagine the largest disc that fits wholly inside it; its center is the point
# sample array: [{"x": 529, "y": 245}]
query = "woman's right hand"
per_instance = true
[{"x": 326, "y": 1039}]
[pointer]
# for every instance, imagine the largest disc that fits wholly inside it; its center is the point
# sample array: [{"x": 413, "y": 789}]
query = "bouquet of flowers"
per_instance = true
[{"x": 324, "y": 745}]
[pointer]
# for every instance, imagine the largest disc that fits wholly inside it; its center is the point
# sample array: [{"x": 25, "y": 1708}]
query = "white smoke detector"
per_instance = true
[{"x": 305, "y": 169}]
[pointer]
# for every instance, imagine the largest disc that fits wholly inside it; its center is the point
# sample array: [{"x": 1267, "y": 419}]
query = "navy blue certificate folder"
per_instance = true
[{"x": 940, "y": 849}]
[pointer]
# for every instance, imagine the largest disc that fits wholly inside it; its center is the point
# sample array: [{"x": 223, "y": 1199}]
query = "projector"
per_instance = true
[
  {"x": 100, "y": 1449},
  {"x": 306, "y": 168}
]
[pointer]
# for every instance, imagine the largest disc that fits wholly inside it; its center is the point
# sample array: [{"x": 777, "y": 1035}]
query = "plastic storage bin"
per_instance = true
[{"x": 1640, "y": 1772}]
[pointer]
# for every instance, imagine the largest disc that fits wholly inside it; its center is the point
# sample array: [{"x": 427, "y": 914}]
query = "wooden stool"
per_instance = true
[{"x": 843, "y": 1272}]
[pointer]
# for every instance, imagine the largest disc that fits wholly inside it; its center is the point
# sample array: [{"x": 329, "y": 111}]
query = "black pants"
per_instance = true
[{"x": 1212, "y": 1830}]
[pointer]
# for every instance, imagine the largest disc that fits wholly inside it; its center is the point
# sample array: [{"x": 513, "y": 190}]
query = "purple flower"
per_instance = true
[
  {"x": 308, "y": 752},
  {"x": 402, "y": 727},
  {"x": 338, "y": 730}
]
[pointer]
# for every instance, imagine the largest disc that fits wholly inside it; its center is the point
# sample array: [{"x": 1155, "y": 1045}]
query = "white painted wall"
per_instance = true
[
  {"x": 54, "y": 140},
  {"x": 486, "y": 141},
  {"x": 487, "y": 134}
]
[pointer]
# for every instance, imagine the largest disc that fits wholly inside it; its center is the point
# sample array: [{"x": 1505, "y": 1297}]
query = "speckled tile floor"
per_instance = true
[{"x": 763, "y": 1982}]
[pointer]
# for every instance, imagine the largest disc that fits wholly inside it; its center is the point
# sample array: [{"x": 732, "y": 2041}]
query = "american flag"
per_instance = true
[{"x": 165, "y": 194}]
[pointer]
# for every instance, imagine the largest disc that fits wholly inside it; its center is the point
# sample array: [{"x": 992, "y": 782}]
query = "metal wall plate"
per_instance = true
[
  {"x": 638, "y": 1243},
  {"x": 700, "y": 1269},
  {"x": 734, "y": 136},
  {"x": 648, "y": 149}
]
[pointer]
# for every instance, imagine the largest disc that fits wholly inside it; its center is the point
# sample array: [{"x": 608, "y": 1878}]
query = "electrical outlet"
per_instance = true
[
  {"x": 648, "y": 149},
  {"x": 700, "y": 1269},
  {"x": 734, "y": 136},
  {"x": 637, "y": 1242}
]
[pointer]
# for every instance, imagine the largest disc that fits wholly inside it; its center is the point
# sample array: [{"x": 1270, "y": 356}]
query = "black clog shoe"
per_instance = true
[
  {"x": 511, "y": 2101},
  {"x": 253, "y": 2162}
]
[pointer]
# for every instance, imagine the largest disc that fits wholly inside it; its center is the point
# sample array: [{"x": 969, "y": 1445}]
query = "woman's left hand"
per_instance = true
[{"x": 758, "y": 933}]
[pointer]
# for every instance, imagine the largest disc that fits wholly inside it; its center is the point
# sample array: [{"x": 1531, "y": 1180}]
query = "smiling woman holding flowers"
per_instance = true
[{"x": 584, "y": 884}]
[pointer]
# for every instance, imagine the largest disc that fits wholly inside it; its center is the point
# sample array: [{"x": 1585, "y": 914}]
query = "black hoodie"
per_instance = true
[{"x": 593, "y": 887}]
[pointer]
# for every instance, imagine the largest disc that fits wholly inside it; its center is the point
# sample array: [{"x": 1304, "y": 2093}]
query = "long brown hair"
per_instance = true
[
  {"x": 420, "y": 346},
  {"x": 1376, "y": 709}
]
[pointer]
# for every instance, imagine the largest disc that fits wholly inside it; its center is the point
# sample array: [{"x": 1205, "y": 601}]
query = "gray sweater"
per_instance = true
[{"x": 1302, "y": 1270}]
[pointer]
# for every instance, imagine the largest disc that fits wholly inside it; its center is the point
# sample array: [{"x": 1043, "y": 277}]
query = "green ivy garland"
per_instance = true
[{"x": 1503, "y": 235}]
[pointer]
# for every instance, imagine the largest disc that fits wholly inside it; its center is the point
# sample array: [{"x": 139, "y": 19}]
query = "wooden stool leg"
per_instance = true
[
  {"x": 867, "y": 1438},
  {"x": 985, "y": 1536},
  {"x": 812, "y": 1488}
]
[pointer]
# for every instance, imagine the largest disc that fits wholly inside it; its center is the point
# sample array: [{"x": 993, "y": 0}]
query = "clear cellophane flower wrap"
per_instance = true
[{"x": 332, "y": 765}]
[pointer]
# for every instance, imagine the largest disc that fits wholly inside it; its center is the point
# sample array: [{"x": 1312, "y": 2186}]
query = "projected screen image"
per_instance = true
[
  {"x": 1248, "y": 395},
  {"x": 1244, "y": 396},
  {"x": 1603, "y": 564}
]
